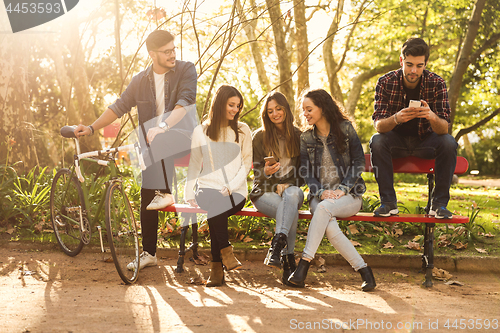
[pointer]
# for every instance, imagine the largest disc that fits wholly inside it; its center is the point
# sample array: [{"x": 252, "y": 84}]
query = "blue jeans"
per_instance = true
[
  {"x": 324, "y": 221},
  {"x": 285, "y": 210},
  {"x": 386, "y": 146}
]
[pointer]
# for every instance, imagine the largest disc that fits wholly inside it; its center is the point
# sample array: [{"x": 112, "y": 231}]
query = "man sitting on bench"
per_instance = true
[{"x": 412, "y": 116}]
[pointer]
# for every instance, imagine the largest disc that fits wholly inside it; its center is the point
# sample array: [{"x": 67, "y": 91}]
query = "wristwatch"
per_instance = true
[{"x": 164, "y": 126}]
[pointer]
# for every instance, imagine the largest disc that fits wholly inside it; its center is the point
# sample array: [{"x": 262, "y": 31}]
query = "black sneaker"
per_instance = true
[
  {"x": 386, "y": 210},
  {"x": 440, "y": 213}
]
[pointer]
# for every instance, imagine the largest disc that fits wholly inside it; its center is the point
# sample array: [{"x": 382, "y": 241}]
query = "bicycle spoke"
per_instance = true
[
  {"x": 66, "y": 206},
  {"x": 122, "y": 233}
]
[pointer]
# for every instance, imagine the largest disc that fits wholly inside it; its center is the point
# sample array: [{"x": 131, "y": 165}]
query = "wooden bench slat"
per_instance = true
[{"x": 305, "y": 214}]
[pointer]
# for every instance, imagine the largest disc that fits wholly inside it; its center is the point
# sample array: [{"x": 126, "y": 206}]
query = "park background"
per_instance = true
[{"x": 69, "y": 70}]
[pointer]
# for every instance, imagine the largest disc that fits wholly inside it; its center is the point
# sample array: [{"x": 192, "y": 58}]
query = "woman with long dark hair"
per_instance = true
[
  {"x": 332, "y": 160},
  {"x": 221, "y": 157},
  {"x": 276, "y": 189}
]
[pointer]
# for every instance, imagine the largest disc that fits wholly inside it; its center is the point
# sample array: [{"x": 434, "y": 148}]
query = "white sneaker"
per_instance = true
[
  {"x": 161, "y": 200},
  {"x": 145, "y": 260}
]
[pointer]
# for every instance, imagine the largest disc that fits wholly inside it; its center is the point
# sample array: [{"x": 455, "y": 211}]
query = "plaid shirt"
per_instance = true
[{"x": 390, "y": 97}]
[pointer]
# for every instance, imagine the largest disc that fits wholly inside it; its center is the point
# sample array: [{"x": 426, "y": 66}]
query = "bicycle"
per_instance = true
[{"x": 70, "y": 217}]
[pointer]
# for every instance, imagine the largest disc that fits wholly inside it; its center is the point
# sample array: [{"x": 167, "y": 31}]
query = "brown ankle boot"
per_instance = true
[
  {"x": 228, "y": 258},
  {"x": 216, "y": 275}
]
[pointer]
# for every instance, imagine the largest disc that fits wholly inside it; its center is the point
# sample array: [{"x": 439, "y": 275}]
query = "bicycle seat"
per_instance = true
[{"x": 68, "y": 131}]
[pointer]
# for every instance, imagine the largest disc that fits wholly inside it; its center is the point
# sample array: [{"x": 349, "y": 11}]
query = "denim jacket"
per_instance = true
[
  {"x": 350, "y": 164},
  {"x": 180, "y": 89}
]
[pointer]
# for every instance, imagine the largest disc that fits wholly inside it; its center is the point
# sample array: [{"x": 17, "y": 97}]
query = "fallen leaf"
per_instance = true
[
  {"x": 321, "y": 269},
  {"x": 197, "y": 280},
  {"x": 400, "y": 274},
  {"x": 460, "y": 246},
  {"x": 417, "y": 238},
  {"x": 10, "y": 231},
  {"x": 354, "y": 243},
  {"x": 378, "y": 228},
  {"x": 318, "y": 261},
  {"x": 397, "y": 232},
  {"x": 454, "y": 283},
  {"x": 481, "y": 250},
  {"x": 441, "y": 274},
  {"x": 388, "y": 245},
  {"x": 38, "y": 227},
  {"x": 247, "y": 239},
  {"x": 413, "y": 246},
  {"x": 443, "y": 243},
  {"x": 489, "y": 234},
  {"x": 369, "y": 235},
  {"x": 353, "y": 229}
]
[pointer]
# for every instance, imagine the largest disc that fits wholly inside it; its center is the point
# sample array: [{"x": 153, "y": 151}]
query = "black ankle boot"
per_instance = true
[
  {"x": 299, "y": 275},
  {"x": 368, "y": 279},
  {"x": 273, "y": 255},
  {"x": 289, "y": 267}
]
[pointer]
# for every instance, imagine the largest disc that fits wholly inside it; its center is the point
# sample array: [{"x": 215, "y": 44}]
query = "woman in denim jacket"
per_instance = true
[
  {"x": 276, "y": 187},
  {"x": 332, "y": 161}
]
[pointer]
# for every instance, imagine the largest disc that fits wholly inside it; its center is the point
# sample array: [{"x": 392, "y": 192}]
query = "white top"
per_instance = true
[
  {"x": 216, "y": 164},
  {"x": 160, "y": 94}
]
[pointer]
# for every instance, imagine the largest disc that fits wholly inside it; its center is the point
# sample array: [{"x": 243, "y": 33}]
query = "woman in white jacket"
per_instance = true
[{"x": 221, "y": 158}]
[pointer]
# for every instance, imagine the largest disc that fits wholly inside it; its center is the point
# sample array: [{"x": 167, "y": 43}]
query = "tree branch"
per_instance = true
[{"x": 480, "y": 123}]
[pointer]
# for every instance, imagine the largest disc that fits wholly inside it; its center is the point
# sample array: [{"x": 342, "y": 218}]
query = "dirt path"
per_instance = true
[{"x": 47, "y": 291}]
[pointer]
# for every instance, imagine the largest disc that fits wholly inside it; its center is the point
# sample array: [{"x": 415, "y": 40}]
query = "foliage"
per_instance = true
[{"x": 26, "y": 197}]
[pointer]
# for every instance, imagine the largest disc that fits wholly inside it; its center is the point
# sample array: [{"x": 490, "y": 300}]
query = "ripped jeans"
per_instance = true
[{"x": 324, "y": 220}]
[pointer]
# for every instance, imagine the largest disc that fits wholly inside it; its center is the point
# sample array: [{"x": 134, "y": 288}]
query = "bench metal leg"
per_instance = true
[
  {"x": 430, "y": 182},
  {"x": 428, "y": 256},
  {"x": 182, "y": 243}
]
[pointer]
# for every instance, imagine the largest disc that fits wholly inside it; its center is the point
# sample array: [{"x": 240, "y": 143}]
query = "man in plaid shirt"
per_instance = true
[{"x": 406, "y": 130}]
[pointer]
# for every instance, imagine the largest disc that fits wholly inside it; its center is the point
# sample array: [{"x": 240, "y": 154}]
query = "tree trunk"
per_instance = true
[
  {"x": 81, "y": 84},
  {"x": 302, "y": 43},
  {"x": 16, "y": 125},
  {"x": 357, "y": 85},
  {"x": 330, "y": 62},
  {"x": 464, "y": 59},
  {"x": 249, "y": 27},
  {"x": 284, "y": 64}
]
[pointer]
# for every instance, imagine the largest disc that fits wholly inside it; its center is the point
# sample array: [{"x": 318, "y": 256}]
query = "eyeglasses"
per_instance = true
[{"x": 167, "y": 52}]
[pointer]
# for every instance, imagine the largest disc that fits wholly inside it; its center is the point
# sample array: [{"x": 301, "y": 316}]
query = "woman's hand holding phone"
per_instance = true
[{"x": 271, "y": 168}]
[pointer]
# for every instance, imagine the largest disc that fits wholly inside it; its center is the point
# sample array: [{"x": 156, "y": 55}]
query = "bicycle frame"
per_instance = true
[{"x": 78, "y": 171}]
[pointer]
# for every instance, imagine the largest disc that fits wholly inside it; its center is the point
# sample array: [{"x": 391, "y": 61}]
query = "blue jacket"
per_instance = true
[{"x": 350, "y": 164}]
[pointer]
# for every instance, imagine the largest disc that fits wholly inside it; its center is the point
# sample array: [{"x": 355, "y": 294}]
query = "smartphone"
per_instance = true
[
  {"x": 415, "y": 104},
  {"x": 270, "y": 159}
]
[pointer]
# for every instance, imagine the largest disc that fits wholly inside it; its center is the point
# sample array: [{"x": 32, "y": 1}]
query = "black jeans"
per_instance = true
[
  {"x": 149, "y": 222},
  {"x": 386, "y": 146},
  {"x": 219, "y": 209}
]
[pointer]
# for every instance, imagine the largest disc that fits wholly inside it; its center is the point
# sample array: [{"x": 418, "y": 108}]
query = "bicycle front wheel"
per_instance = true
[
  {"x": 67, "y": 208},
  {"x": 122, "y": 233}
]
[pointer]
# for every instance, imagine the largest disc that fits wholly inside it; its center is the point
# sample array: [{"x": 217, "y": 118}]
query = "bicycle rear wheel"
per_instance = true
[
  {"x": 67, "y": 207},
  {"x": 122, "y": 232}
]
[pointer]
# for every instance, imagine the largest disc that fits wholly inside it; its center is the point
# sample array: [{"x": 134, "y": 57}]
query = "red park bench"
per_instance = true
[{"x": 401, "y": 165}]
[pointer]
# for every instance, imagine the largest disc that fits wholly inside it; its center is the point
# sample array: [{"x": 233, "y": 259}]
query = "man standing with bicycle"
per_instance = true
[{"x": 165, "y": 97}]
